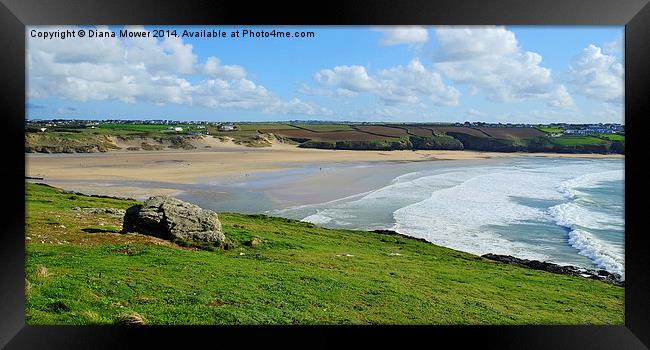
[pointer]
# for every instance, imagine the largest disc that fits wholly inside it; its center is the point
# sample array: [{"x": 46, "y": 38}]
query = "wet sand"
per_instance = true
[{"x": 121, "y": 173}]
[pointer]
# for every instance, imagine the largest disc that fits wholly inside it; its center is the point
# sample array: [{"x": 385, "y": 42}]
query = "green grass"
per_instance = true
[
  {"x": 134, "y": 127},
  {"x": 263, "y": 126},
  {"x": 83, "y": 139},
  {"x": 577, "y": 140},
  {"x": 551, "y": 130},
  {"x": 612, "y": 137},
  {"x": 294, "y": 277}
]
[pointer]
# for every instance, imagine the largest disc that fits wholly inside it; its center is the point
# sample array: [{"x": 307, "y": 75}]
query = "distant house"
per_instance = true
[
  {"x": 226, "y": 127},
  {"x": 178, "y": 129},
  {"x": 43, "y": 129}
]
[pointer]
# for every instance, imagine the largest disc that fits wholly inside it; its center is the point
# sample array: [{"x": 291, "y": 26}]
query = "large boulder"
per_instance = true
[{"x": 172, "y": 219}]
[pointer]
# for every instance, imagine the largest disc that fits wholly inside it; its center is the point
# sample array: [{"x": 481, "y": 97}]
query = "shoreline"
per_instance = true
[
  {"x": 124, "y": 172},
  {"x": 568, "y": 270},
  {"x": 298, "y": 185},
  {"x": 188, "y": 166}
]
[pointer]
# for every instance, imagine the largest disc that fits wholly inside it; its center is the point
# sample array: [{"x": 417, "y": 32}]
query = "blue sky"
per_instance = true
[{"x": 537, "y": 74}]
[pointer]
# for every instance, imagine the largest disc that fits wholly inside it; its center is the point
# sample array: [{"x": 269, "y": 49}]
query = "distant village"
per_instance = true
[
  {"x": 177, "y": 125},
  {"x": 567, "y": 129},
  {"x": 173, "y": 125}
]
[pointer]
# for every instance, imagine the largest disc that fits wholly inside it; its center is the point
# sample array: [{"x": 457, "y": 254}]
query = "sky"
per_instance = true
[{"x": 507, "y": 74}]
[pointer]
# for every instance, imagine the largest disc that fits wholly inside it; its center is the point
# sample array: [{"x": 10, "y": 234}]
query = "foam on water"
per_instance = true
[
  {"x": 469, "y": 207},
  {"x": 579, "y": 216},
  {"x": 461, "y": 216}
]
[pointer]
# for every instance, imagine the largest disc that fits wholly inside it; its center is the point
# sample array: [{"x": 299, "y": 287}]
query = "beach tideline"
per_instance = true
[{"x": 224, "y": 159}]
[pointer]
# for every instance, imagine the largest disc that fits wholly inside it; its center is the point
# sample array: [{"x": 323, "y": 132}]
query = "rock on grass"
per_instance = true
[
  {"x": 130, "y": 319},
  {"x": 175, "y": 220}
]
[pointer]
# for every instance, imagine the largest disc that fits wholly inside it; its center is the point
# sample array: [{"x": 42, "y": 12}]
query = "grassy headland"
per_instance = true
[
  {"x": 377, "y": 136},
  {"x": 81, "y": 270}
]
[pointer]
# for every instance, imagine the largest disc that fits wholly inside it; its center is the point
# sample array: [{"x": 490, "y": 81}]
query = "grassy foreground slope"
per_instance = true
[{"x": 79, "y": 270}]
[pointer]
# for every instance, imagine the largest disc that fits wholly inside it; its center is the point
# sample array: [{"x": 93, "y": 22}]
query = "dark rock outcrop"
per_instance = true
[
  {"x": 394, "y": 233},
  {"x": 172, "y": 219},
  {"x": 560, "y": 269}
]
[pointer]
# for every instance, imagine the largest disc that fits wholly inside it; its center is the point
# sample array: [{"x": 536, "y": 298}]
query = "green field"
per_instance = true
[
  {"x": 551, "y": 130},
  {"x": 263, "y": 126},
  {"x": 612, "y": 137},
  {"x": 79, "y": 270},
  {"x": 577, "y": 140},
  {"x": 135, "y": 127}
]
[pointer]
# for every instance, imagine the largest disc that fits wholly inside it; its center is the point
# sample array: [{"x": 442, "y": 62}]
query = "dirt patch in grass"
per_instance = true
[
  {"x": 42, "y": 272},
  {"x": 58, "y": 307}
]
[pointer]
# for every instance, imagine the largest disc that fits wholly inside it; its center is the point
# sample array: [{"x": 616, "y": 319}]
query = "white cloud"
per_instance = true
[
  {"x": 475, "y": 113},
  {"x": 408, "y": 83},
  {"x": 403, "y": 35},
  {"x": 490, "y": 59},
  {"x": 597, "y": 75},
  {"x": 474, "y": 43},
  {"x": 560, "y": 98},
  {"x": 351, "y": 78},
  {"x": 610, "y": 113},
  {"x": 315, "y": 91},
  {"x": 213, "y": 68},
  {"x": 614, "y": 47},
  {"x": 400, "y": 84},
  {"x": 411, "y": 113},
  {"x": 143, "y": 70},
  {"x": 297, "y": 107}
]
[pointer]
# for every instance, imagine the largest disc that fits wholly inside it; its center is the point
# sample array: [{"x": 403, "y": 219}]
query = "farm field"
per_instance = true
[
  {"x": 352, "y": 135},
  {"x": 550, "y": 130},
  {"x": 578, "y": 140},
  {"x": 457, "y": 129},
  {"x": 261, "y": 126},
  {"x": 323, "y": 127},
  {"x": 612, "y": 137},
  {"x": 327, "y": 135},
  {"x": 385, "y": 131},
  {"x": 512, "y": 133}
]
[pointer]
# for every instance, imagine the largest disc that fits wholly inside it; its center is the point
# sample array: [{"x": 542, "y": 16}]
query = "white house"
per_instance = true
[
  {"x": 177, "y": 129},
  {"x": 43, "y": 129},
  {"x": 226, "y": 127}
]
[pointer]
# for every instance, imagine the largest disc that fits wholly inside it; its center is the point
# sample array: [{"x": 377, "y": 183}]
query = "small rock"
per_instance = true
[
  {"x": 346, "y": 255},
  {"x": 130, "y": 319},
  {"x": 254, "y": 242},
  {"x": 394, "y": 254}
]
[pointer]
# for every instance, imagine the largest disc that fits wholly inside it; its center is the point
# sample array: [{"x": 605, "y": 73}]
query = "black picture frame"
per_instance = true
[{"x": 16, "y": 14}]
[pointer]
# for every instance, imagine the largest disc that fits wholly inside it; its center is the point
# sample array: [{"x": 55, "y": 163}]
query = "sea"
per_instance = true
[{"x": 561, "y": 210}]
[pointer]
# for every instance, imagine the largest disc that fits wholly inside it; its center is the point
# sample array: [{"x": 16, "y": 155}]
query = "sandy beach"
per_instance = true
[{"x": 223, "y": 161}]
